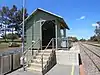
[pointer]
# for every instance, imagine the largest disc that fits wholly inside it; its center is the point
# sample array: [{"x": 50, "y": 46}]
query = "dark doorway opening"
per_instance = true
[{"x": 48, "y": 32}]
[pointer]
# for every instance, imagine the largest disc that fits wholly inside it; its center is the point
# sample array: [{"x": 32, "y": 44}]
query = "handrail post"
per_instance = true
[
  {"x": 53, "y": 43},
  {"x": 32, "y": 49},
  {"x": 42, "y": 62}
]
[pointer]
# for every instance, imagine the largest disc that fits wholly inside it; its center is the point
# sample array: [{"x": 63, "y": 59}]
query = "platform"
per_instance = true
[{"x": 67, "y": 63}]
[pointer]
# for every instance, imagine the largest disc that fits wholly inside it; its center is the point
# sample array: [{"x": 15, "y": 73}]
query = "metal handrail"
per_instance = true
[
  {"x": 44, "y": 50},
  {"x": 52, "y": 53},
  {"x": 48, "y": 45},
  {"x": 31, "y": 46},
  {"x": 28, "y": 50}
]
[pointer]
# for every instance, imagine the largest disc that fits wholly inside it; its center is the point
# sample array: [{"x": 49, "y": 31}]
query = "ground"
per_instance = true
[{"x": 5, "y": 47}]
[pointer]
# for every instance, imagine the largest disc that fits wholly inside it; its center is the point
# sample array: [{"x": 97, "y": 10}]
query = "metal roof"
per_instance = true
[{"x": 61, "y": 20}]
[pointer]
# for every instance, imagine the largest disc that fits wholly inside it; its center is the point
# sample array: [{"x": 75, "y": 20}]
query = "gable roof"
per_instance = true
[{"x": 60, "y": 19}]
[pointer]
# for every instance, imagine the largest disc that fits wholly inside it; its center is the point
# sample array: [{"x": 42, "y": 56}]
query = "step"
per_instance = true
[
  {"x": 46, "y": 51},
  {"x": 39, "y": 60},
  {"x": 31, "y": 68},
  {"x": 37, "y": 64},
  {"x": 44, "y": 57},
  {"x": 44, "y": 54}
]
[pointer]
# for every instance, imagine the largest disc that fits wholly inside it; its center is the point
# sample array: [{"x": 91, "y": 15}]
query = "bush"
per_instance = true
[
  {"x": 13, "y": 44},
  {"x": 11, "y": 36}
]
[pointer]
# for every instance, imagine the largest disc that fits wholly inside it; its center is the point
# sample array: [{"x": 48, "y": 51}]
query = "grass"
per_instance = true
[
  {"x": 5, "y": 46},
  {"x": 9, "y": 40}
]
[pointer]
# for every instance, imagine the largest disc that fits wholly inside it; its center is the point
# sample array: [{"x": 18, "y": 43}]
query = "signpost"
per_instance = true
[{"x": 23, "y": 36}]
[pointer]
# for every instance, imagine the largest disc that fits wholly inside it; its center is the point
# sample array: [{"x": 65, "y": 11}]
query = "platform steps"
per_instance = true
[{"x": 36, "y": 63}]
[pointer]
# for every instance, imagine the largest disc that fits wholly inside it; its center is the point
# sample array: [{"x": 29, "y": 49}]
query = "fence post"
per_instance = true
[
  {"x": 42, "y": 62},
  {"x": 11, "y": 62},
  {"x": 1, "y": 65}
]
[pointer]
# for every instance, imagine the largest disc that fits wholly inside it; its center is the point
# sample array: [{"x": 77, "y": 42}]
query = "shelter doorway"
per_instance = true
[{"x": 48, "y": 32}]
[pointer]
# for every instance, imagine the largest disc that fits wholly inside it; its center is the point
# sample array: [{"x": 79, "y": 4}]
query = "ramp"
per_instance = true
[{"x": 67, "y": 63}]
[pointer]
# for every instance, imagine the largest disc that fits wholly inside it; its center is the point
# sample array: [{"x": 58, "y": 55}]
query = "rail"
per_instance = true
[
  {"x": 82, "y": 46},
  {"x": 31, "y": 46},
  {"x": 29, "y": 54},
  {"x": 45, "y": 49},
  {"x": 50, "y": 62}
]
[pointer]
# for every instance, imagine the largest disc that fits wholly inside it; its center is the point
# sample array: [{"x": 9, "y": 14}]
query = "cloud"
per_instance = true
[
  {"x": 81, "y": 18},
  {"x": 95, "y": 24}
]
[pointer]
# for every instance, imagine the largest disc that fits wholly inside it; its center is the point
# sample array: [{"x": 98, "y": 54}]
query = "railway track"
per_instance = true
[
  {"x": 91, "y": 50},
  {"x": 86, "y": 51},
  {"x": 96, "y": 47}
]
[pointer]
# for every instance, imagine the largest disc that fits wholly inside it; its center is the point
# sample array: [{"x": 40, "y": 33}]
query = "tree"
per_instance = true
[
  {"x": 4, "y": 18},
  {"x": 1, "y": 15},
  {"x": 97, "y": 31},
  {"x": 82, "y": 39},
  {"x": 74, "y": 39},
  {"x": 16, "y": 17},
  {"x": 12, "y": 17},
  {"x": 93, "y": 38}
]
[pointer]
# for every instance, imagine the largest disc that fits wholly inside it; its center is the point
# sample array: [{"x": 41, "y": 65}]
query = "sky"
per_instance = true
[{"x": 80, "y": 15}]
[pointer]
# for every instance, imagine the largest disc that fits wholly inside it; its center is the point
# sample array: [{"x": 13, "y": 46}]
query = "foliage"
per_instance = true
[
  {"x": 16, "y": 16},
  {"x": 12, "y": 17},
  {"x": 96, "y": 37},
  {"x": 82, "y": 39},
  {"x": 74, "y": 39},
  {"x": 13, "y": 44},
  {"x": 97, "y": 29},
  {"x": 10, "y": 36}
]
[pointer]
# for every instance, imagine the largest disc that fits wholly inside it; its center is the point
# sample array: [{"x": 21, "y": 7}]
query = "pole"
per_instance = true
[
  {"x": 64, "y": 32},
  {"x": 67, "y": 39},
  {"x": 23, "y": 36},
  {"x": 40, "y": 35},
  {"x": 56, "y": 36},
  {"x": 41, "y": 32}
]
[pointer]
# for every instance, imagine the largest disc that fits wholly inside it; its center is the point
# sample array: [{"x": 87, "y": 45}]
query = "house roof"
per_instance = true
[{"x": 60, "y": 19}]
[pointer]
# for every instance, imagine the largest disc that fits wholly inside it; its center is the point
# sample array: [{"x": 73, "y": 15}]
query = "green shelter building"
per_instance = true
[{"x": 43, "y": 25}]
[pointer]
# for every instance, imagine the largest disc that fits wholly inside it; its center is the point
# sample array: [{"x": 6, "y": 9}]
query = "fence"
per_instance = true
[{"x": 9, "y": 61}]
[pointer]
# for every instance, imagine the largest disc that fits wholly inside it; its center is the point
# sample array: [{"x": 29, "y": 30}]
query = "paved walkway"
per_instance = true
[
  {"x": 67, "y": 62},
  {"x": 75, "y": 48},
  {"x": 64, "y": 70}
]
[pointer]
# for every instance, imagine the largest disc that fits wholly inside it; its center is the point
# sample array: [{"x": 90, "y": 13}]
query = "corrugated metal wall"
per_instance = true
[{"x": 9, "y": 62}]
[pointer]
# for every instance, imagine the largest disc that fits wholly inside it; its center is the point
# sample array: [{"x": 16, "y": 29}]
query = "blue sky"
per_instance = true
[{"x": 78, "y": 14}]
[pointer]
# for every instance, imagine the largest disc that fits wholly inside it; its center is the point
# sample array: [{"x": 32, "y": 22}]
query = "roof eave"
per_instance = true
[
  {"x": 59, "y": 17},
  {"x": 64, "y": 24}
]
